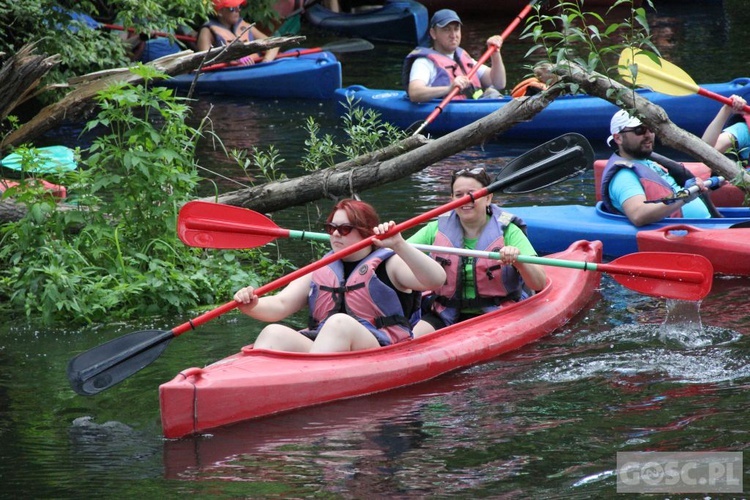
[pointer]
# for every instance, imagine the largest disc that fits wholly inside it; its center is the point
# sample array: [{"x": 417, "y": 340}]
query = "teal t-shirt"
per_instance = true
[{"x": 513, "y": 236}]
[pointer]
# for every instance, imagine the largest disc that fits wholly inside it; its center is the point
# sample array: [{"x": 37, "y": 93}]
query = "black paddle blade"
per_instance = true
[
  {"x": 555, "y": 161},
  {"x": 112, "y": 362}
]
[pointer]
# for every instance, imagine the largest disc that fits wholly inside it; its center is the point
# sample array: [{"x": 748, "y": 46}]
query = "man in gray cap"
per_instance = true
[
  {"x": 431, "y": 73},
  {"x": 631, "y": 177}
]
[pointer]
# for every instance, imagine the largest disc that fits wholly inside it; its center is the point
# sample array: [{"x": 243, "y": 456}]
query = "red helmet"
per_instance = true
[{"x": 225, "y": 4}]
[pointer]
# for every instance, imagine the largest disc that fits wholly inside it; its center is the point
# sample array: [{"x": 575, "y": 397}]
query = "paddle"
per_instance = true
[
  {"x": 340, "y": 46},
  {"x": 487, "y": 54},
  {"x": 110, "y": 363},
  {"x": 662, "y": 76},
  {"x": 48, "y": 159},
  {"x": 711, "y": 183},
  {"x": 660, "y": 274}
]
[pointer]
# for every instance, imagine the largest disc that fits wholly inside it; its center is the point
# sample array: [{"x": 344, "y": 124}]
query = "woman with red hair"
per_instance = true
[
  {"x": 227, "y": 27},
  {"x": 367, "y": 299}
]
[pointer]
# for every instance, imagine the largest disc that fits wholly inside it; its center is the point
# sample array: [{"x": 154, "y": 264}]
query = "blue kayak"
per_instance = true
[
  {"x": 396, "y": 21},
  {"x": 551, "y": 228},
  {"x": 586, "y": 115},
  {"x": 308, "y": 76}
]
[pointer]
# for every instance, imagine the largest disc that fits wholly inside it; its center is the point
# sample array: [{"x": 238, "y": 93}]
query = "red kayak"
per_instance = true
[
  {"x": 727, "y": 249},
  {"x": 55, "y": 190},
  {"x": 256, "y": 383}
]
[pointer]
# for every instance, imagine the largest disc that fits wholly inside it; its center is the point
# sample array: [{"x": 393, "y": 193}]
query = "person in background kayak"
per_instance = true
[
  {"x": 367, "y": 299},
  {"x": 475, "y": 286},
  {"x": 228, "y": 26},
  {"x": 432, "y": 73},
  {"x": 735, "y": 137},
  {"x": 631, "y": 177}
]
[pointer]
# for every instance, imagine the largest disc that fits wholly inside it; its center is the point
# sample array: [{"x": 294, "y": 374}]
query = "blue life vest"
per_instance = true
[
  {"x": 223, "y": 36},
  {"x": 653, "y": 185}
]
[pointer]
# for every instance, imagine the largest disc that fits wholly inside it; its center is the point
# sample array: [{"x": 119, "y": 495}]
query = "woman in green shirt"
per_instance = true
[{"x": 474, "y": 286}]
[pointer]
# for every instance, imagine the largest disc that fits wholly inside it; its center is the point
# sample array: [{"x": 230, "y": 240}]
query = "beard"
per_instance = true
[{"x": 638, "y": 151}]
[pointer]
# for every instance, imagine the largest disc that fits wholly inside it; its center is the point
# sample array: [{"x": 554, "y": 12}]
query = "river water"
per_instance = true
[{"x": 629, "y": 373}]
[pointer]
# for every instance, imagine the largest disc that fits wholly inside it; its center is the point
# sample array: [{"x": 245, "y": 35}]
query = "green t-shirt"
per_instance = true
[{"x": 513, "y": 236}]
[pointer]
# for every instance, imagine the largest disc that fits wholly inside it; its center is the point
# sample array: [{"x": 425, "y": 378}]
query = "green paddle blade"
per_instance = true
[
  {"x": 112, "y": 362},
  {"x": 552, "y": 162}
]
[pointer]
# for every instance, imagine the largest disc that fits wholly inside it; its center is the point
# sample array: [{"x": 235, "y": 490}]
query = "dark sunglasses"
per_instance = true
[
  {"x": 639, "y": 130},
  {"x": 232, "y": 9},
  {"x": 343, "y": 229},
  {"x": 478, "y": 173}
]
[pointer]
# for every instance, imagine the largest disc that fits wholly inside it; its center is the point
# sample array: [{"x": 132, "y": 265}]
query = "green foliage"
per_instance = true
[
  {"x": 365, "y": 130},
  {"x": 572, "y": 34},
  {"x": 83, "y": 48},
  {"x": 116, "y": 253}
]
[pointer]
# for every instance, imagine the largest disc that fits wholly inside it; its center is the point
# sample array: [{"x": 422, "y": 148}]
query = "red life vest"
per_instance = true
[
  {"x": 363, "y": 296},
  {"x": 494, "y": 283},
  {"x": 447, "y": 68}
]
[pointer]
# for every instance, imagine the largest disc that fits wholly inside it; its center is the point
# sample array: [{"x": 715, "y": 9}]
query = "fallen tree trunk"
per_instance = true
[
  {"x": 400, "y": 160},
  {"x": 657, "y": 120}
]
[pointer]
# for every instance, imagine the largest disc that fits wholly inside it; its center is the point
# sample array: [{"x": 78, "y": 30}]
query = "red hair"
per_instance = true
[{"x": 360, "y": 214}]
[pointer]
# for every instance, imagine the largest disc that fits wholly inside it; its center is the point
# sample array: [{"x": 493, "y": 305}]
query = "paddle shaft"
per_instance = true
[
  {"x": 487, "y": 54},
  {"x": 285, "y": 280},
  {"x": 691, "y": 86},
  {"x": 257, "y": 58}
]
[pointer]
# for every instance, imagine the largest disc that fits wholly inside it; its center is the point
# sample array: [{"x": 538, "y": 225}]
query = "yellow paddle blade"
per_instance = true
[{"x": 661, "y": 76}]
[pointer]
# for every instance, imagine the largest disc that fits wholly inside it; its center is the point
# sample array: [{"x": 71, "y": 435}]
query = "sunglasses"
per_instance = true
[
  {"x": 469, "y": 171},
  {"x": 639, "y": 130},
  {"x": 343, "y": 229},
  {"x": 232, "y": 9}
]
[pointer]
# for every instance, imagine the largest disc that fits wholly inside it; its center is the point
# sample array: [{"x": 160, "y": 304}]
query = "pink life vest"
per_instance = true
[
  {"x": 363, "y": 296},
  {"x": 494, "y": 283},
  {"x": 447, "y": 68}
]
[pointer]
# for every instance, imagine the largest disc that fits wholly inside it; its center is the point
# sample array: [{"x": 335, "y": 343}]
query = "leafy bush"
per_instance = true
[{"x": 116, "y": 252}]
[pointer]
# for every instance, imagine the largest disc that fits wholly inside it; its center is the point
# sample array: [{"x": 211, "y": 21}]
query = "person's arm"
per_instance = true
[
  {"x": 713, "y": 135},
  {"x": 205, "y": 39},
  {"x": 641, "y": 213},
  {"x": 410, "y": 269},
  {"x": 272, "y": 308},
  {"x": 270, "y": 55},
  {"x": 495, "y": 77},
  {"x": 517, "y": 243}
]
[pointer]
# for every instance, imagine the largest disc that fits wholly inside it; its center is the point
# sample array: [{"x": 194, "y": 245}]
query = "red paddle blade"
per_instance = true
[
  {"x": 212, "y": 225},
  {"x": 682, "y": 276}
]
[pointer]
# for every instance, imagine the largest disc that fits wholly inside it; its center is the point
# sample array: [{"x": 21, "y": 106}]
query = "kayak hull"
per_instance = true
[
  {"x": 586, "y": 115},
  {"x": 396, "y": 21},
  {"x": 257, "y": 383},
  {"x": 309, "y": 76},
  {"x": 728, "y": 250},
  {"x": 549, "y": 232}
]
